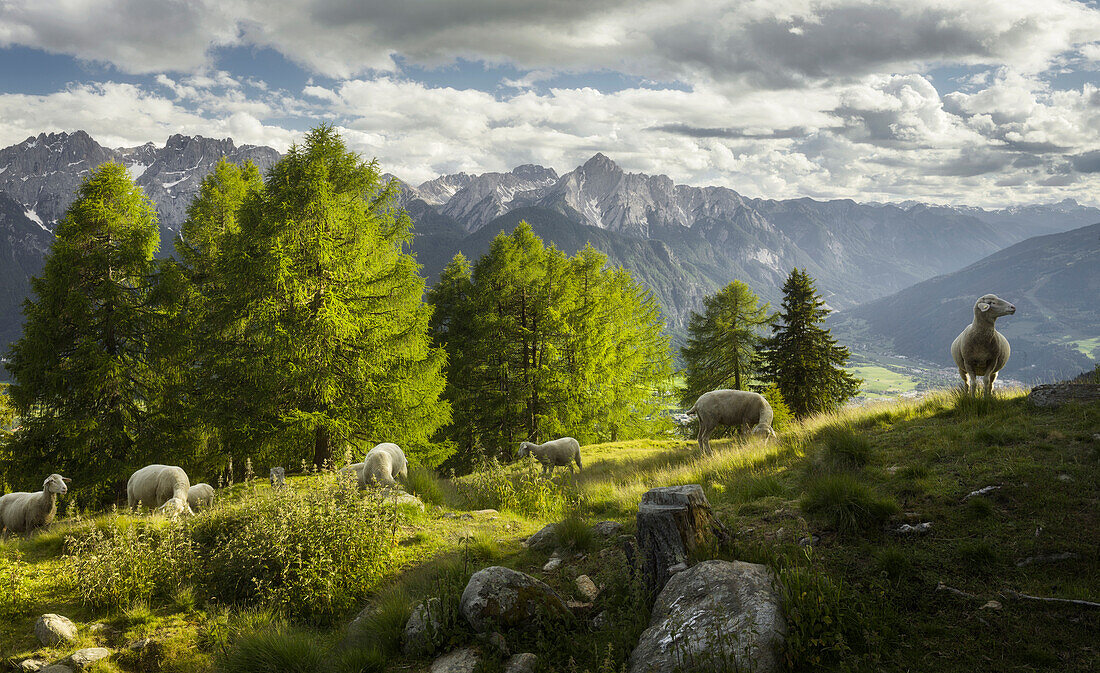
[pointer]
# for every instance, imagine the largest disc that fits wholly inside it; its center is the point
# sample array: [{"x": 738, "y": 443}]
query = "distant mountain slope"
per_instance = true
[
  {"x": 1053, "y": 280},
  {"x": 23, "y": 246}
]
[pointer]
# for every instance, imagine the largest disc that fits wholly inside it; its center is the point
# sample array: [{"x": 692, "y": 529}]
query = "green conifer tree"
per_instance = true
[
  {"x": 723, "y": 341},
  {"x": 82, "y": 380},
  {"x": 323, "y": 318},
  {"x": 801, "y": 357}
]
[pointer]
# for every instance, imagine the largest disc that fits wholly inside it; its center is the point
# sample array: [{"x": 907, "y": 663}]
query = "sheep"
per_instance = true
[
  {"x": 200, "y": 496},
  {"x": 360, "y": 472},
  {"x": 554, "y": 453},
  {"x": 24, "y": 512},
  {"x": 277, "y": 477},
  {"x": 155, "y": 485},
  {"x": 384, "y": 462},
  {"x": 980, "y": 350},
  {"x": 735, "y": 408}
]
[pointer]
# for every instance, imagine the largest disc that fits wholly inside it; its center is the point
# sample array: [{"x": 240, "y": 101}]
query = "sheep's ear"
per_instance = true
[
  {"x": 66, "y": 480},
  {"x": 982, "y": 306}
]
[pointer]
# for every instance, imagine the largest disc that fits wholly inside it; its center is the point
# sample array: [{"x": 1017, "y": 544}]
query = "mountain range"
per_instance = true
[{"x": 682, "y": 241}]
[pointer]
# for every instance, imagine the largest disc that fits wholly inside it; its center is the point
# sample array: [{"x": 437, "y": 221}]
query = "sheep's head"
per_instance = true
[
  {"x": 55, "y": 483},
  {"x": 764, "y": 431},
  {"x": 175, "y": 507},
  {"x": 524, "y": 449},
  {"x": 992, "y": 306}
]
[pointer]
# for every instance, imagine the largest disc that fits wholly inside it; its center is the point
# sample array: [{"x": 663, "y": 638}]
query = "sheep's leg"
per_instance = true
[
  {"x": 972, "y": 386},
  {"x": 704, "y": 438},
  {"x": 990, "y": 378}
]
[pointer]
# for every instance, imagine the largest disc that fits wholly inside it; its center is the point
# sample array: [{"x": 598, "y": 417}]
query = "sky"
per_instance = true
[{"x": 981, "y": 102}]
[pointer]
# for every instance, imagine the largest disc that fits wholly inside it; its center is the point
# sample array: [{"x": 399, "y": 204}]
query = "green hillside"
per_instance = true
[{"x": 859, "y": 597}]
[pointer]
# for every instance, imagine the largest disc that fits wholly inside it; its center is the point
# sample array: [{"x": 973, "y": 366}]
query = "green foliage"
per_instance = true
[
  {"x": 845, "y": 448},
  {"x": 823, "y": 622},
  {"x": 281, "y": 650},
  {"x": 721, "y": 350},
  {"x": 801, "y": 357},
  {"x": 316, "y": 314},
  {"x": 846, "y": 504},
  {"x": 783, "y": 417},
  {"x": 522, "y": 489},
  {"x": 574, "y": 530},
  {"x": 426, "y": 485},
  {"x": 384, "y": 626},
  {"x": 82, "y": 377},
  {"x": 540, "y": 346}
]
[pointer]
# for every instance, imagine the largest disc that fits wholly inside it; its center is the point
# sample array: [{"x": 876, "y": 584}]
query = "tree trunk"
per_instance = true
[{"x": 322, "y": 446}]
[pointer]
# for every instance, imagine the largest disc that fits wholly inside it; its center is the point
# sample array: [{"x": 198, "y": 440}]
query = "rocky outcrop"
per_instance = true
[
  {"x": 51, "y": 630},
  {"x": 498, "y": 598},
  {"x": 84, "y": 658},
  {"x": 1053, "y": 395},
  {"x": 422, "y": 630},
  {"x": 545, "y": 539},
  {"x": 717, "y": 615}
]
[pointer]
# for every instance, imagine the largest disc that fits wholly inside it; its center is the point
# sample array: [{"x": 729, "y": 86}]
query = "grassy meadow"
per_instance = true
[{"x": 274, "y": 580}]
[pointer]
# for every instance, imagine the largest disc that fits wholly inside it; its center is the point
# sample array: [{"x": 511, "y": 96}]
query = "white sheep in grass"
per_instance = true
[
  {"x": 360, "y": 472},
  {"x": 554, "y": 453},
  {"x": 737, "y": 408},
  {"x": 980, "y": 350},
  {"x": 24, "y": 512},
  {"x": 163, "y": 487},
  {"x": 277, "y": 477},
  {"x": 200, "y": 495},
  {"x": 382, "y": 464}
]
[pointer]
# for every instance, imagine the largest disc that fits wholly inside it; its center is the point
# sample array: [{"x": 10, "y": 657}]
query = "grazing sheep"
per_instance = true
[
  {"x": 24, "y": 512},
  {"x": 360, "y": 472},
  {"x": 736, "y": 408},
  {"x": 277, "y": 477},
  {"x": 200, "y": 496},
  {"x": 980, "y": 350},
  {"x": 555, "y": 453},
  {"x": 383, "y": 463},
  {"x": 155, "y": 485}
]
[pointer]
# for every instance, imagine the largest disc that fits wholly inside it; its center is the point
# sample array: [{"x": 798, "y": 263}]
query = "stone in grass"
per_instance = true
[
  {"x": 556, "y": 559},
  {"x": 31, "y": 665},
  {"x": 502, "y": 598},
  {"x": 56, "y": 668},
  {"x": 607, "y": 528},
  {"x": 463, "y": 660},
  {"x": 587, "y": 588},
  {"x": 545, "y": 539},
  {"x": 84, "y": 658},
  {"x": 716, "y": 615},
  {"x": 523, "y": 662},
  {"x": 54, "y": 629},
  {"x": 422, "y": 630}
]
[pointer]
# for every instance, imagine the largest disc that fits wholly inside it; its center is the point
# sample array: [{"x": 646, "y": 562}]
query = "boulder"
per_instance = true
[
  {"x": 524, "y": 662},
  {"x": 501, "y": 598},
  {"x": 717, "y": 615},
  {"x": 587, "y": 588},
  {"x": 1056, "y": 394},
  {"x": 56, "y": 668},
  {"x": 673, "y": 521},
  {"x": 545, "y": 539},
  {"x": 86, "y": 657},
  {"x": 422, "y": 630},
  {"x": 463, "y": 660},
  {"x": 31, "y": 665},
  {"x": 54, "y": 629},
  {"x": 607, "y": 528}
]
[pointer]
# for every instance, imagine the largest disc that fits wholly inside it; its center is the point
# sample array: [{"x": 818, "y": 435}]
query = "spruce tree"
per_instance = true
[
  {"x": 323, "y": 318},
  {"x": 801, "y": 357},
  {"x": 723, "y": 341},
  {"x": 82, "y": 380}
]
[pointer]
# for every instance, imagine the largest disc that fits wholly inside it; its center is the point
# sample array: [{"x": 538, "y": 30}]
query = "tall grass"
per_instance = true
[
  {"x": 519, "y": 488},
  {"x": 846, "y": 504}
]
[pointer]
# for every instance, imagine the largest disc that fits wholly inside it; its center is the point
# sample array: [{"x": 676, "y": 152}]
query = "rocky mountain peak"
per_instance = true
[
  {"x": 534, "y": 172},
  {"x": 600, "y": 164}
]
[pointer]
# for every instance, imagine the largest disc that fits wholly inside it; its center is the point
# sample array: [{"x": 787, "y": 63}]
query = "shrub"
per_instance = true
[
  {"x": 527, "y": 492},
  {"x": 782, "y": 413},
  {"x": 822, "y": 622},
  {"x": 424, "y": 484},
  {"x": 280, "y": 650},
  {"x": 846, "y": 504}
]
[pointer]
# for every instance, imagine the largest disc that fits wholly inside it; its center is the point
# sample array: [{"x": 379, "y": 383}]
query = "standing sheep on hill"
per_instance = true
[
  {"x": 383, "y": 463},
  {"x": 736, "y": 408},
  {"x": 24, "y": 512},
  {"x": 555, "y": 453},
  {"x": 163, "y": 487},
  {"x": 980, "y": 350}
]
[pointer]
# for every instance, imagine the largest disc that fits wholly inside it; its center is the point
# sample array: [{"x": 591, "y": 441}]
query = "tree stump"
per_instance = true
[{"x": 673, "y": 522}]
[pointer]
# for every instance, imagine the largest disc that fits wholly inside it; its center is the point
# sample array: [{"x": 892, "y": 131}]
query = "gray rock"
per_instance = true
[
  {"x": 139, "y": 645},
  {"x": 51, "y": 629},
  {"x": 31, "y": 665},
  {"x": 918, "y": 529},
  {"x": 402, "y": 498},
  {"x": 718, "y": 614},
  {"x": 981, "y": 491},
  {"x": 607, "y": 528},
  {"x": 495, "y": 640},
  {"x": 1053, "y": 395},
  {"x": 545, "y": 539},
  {"x": 86, "y": 657},
  {"x": 422, "y": 630},
  {"x": 56, "y": 668},
  {"x": 1050, "y": 558},
  {"x": 587, "y": 588},
  {"x": 600, "y": 620},
  {"x": 809, "y": 541},
  {"x": 277, "y": 477},
  {"x": 556, "y": 559},
  {"x": 463, "y": 660},
  {"x": 501, "y": 598},
  {"x": 524, "y": 662}
]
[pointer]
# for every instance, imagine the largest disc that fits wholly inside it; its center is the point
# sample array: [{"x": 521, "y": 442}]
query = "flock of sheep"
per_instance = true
[{"x": 980, "y": 350}]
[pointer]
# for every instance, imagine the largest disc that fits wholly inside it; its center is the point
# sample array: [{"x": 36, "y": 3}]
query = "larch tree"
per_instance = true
[
  {"x": 723, "y": 341},
  {"x": 323, "y": 317},
  {"x": 83, "y": 384},
  {"x": 801, "y": 357}
]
